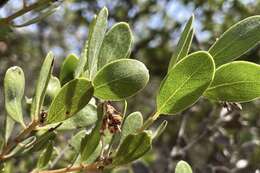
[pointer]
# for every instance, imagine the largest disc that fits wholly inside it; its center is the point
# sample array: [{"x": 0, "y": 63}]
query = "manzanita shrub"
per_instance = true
[{"x": 81, "y": 99}]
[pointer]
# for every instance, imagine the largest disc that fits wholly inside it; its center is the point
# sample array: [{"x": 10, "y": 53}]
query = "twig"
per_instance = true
[
  {"x": 18, "y": 139},
  {"x": 23, "y": 11},
  {"x": 82, "y": 167}
]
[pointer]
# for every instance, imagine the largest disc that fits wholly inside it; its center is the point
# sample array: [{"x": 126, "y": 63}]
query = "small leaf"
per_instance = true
[
  {"x": 133, "y": 147},
  {"x": 82, "y": 62},
  {"x": 91, "y": 141},
  {"x": 14, "y": 90},
  {"x": 183, "y": 167},
  {"x": 236, "y": 41},
  {"x": 9, "y": 125},
  {"x": 237, "y": 81},
  {"x": 72, "y": 97},
  {"x": 95, "y": 41},
  {"x": 68, "y": 68},
  {"x": 132, "y": 123},
  {"x": 185, "y": 83},
  {"x": 184, "y": 43},
  {"x": 116, "y": 45},
  {"x": 41, "y": 86},
  {"x": 52, "y": 90},
  {"x": 120, "y": 79},
  {"x": 160, "y": 129},
  {"x": 45, "y": 156},
  {"x": 21, "y": 146}
]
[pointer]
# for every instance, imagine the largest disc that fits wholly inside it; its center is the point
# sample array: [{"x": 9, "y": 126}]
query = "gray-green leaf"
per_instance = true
[
  {"x": 185, "y": 83},
  {"x": 183, "y": 167},
  {"x": 120, "y": 79},
  {"x": 132, "y": 123},
  {"x": 160, "y": 129},
  {"x": 116, "y": 45},
  {"x": 14, "y": 82},
  {"x": 133, "y": 147},
  {"x": 72, "y": 97},
  {"x": 95, "y": 41},
  {"x": 91, "y": 141},
  {"x": 45, "y": 156},
  {"x": 184, "y": 43},
  {"x": 41, "y": 86},
  {"x": 68, "y": 68},
  {"x": 237, "y": 81},
  {"x": 236, "y": 41}
]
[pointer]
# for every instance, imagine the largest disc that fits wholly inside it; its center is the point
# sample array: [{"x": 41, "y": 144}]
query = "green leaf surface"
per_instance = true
[
  {"x": 183, "y": 167},
  {"x": 91, "y": 141},
  {"x": 72, "y": 97},
  {"x": 133, "y": 147},
  {"x": 116, "y": 45},
  {"x": 52, "y": 90},
  {"x": 120, "y": 79},
  {"x": 45, "y": 156},
  {"x": 95, "y": 41},
  {"x": 184, "y": 43},
  {"x": 41, "y": 86},
  {"x": 41, "y": 141},
  {"x": 68, "y": 68},
  {"x": 82, "y": 62},
  {"x": 9, "y": 126},
  {"x": 185, "y": 83},
  {"x": 160, "y": 129},
  {"x": 237, "y": 81},
  {"x": 14, "y": 82},
  {"x": 132, "y": 123},
  {"x": 236, "y": 41},
  {"x": 75, "y": 140}
]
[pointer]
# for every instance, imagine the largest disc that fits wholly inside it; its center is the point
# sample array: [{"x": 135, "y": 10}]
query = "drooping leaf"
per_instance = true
[
  {"x": 236, "y": 41},
  {"x": 14, "y": 82},
  {"x": 184, "y": 43},
  {"x": 68, "y": 68},
  {"x": 185, "y": 83},
  {"x": 132, "y": 123},
  {"x": 95, "y": 41},
  {"x": 183, "y": 167},
  {"x": 45, "y": 156},
  {"x": 160, "y": 129},
  {"x": 91, "y": 141},
  {"x": 72, "y": 97},
  {"x": 237, "y": 81},
  {"x": 52, "y": 90},
  {"x": 116, "y": 45},
  {"x": 41, "y": 86},
  {"x": 120, "y": 79},
  {"x": 133, "y": 147}
]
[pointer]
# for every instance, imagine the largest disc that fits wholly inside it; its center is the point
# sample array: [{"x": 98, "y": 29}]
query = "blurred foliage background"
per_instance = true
[{"x": 231, "y": 145}]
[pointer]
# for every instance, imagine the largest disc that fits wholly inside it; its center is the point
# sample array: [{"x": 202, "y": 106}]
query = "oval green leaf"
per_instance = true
[
  {"x": 183, "y": 167},
  {"x": 41, "y": 86},
  {"x": 116, "y": 45},
  {"x": 131, "y": 124},
  {"x": 52, "y": 90},
  {"x": 236, "y": 41},
  {"x": 72, "y": 97},
  {"x": 133, "y": 147},
  {"x": 95, "y": 41},
  {"x": 184, "y": 43},
  {"x": 14, "y": 82},
  {"x": 68, "y": 68},
  {"x": 237, "y": 81},
  {"x": 120, "y": 79},
  {"x": 185, "y": 83}
]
